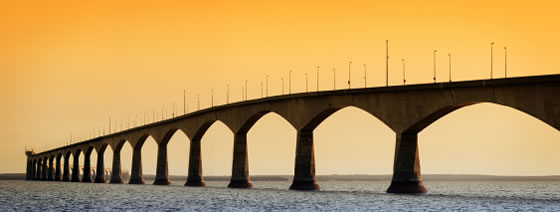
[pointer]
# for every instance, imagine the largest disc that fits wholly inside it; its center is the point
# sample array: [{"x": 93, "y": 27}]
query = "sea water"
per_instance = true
[{"x": 275, "y": 196}]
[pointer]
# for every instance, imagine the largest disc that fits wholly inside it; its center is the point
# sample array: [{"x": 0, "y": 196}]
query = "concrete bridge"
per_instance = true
[{"x": 407, "y": 110}]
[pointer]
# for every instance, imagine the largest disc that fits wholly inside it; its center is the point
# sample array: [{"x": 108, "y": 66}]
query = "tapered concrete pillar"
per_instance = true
[
  {"x": 86, "y": 178},
  {"x": 100, "y": 173},
  {"x": 57, "y": 171},
  {"x": 28, "y": 170},
  {"x": 136, "y": 175},
  {"x": 162, "y": 177},
  {"x": 44, "y": 170},
  {"x": 304, "y": 173},
  {"x": 66, "y": 171},
  {"x": 39, "y": 173},
  {"x": 240, "y": 169},
  {"x": 195, "y": 165},
  {"x": 33, "y": 169},
  {"x": 406, "y": 170},
  {"x": 116, "y": 173},
  {"x": 50, "y": 172},
  {"x": 76, "y": 168}
]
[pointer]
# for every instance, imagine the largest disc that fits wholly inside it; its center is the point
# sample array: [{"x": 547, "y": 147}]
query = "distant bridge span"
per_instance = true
[{"x": 407, "y": 110}]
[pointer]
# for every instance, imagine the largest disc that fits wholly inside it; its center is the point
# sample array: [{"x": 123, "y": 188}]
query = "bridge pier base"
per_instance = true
[
  {"x": 44, "y": 170},
  {"x": 162, "y": 177},
  {"x": 76, "y": 168},
  {"x": 116, "y": 173},
  {"x": 86, "y": 178},
  {"x": 406, "y": 171},
  {"x": 100, "y": 173},
  {"x": 136, "y": 175},
  {"x": 57, "y": 171},
  {"x": 50, "y": 171},
  {"x": 195, "y": 165},
  {"x": 66, "y": 170},
  {"x": 240, "y": 170},
  {"x": 304, "y": 176},
  {"x": 38, "y": 170}
]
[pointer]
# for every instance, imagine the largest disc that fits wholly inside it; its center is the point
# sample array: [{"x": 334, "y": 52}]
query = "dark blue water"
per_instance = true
[{"x": 274, "y": 196}]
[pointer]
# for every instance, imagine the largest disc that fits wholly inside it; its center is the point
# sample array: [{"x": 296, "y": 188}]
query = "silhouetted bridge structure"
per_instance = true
[{"x": 407, "y": 110}]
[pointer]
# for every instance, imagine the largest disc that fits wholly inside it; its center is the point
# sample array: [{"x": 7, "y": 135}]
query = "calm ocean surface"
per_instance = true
[{"x": 274, "y": 196}]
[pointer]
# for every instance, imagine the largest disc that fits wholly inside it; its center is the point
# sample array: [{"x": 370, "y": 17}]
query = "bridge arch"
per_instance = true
[
  {"x": 162, "y": 165},
  {"x": 116, "y": 167}
]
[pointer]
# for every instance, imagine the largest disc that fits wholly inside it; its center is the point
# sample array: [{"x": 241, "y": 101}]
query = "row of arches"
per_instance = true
[{"x": 240, "y": 168}]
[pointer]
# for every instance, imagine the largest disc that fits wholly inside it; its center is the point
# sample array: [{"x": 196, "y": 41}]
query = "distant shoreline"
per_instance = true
[{"x": 425, "y": 177}]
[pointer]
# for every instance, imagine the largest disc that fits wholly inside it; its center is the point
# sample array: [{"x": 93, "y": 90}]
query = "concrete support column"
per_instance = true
[
  {"x": 33, "y": 169},
  {"x": 304, "y": 173},
  {"x": 406, "y": 170},
  {"x": 240, "y": 169},
  {"x": 50, "y": 172},
  {"x": 28, "y": 170},
  {"x": 76, "y": 168},
  {"x": 162, "y": 177},
  {"x": 57, "y": 170},
  {"x": 116, "y": 173},
  {"x": 44, "y": 170},
  {"x": 195, "y": 165},
  {"x": 38, "y": 173},
  {"x": 136, "y": 175},
  {"x": 100, "y": 173},
  {"x": 86, "y": 178},
  {"x": 66, "y": 171}
]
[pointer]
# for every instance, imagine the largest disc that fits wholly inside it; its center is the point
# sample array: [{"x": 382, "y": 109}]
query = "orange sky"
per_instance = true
[{"x": 67, "y": 66}]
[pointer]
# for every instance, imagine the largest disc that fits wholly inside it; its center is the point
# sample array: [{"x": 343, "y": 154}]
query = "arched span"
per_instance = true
[
  {"x": 320, "y": 117},
  {"x": 169, "y": 134},
  {"x": 249, "y": 123},
  {"x": 431, "y": 118}
]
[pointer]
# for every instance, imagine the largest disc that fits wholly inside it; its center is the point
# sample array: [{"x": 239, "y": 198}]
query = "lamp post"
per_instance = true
[
  {"x": 387, "y": 63},
  {"x": 197, "y": 101},
  {"x": 318, "y": 78},
  {"x": 266, "y": 85},
  {"x": 435, "y": 51},
  {"x": 246, "y": 88},
  {"x": 403, "y": 72},
  {"x": 505, "y": 61},
  {"x": 212, "y": 98},
  {"x": 334, "y": 78},
  {"x": 290, "y": 82},
  {"x": 449, "y": 66},
  {"x": 349, "y": 73},
  {"x": 492, "y": 60},
  {"x": 306, "y": 85},
  {"x": 365, "y": 76},
  {"x": 184, "y": 102}
]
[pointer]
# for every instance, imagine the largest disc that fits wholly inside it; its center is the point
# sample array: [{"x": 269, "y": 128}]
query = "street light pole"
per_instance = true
[
  {"x": 403, "y": 72},
  {"x": 435, "y": 51},
  {"x": 505, "y": 62},
  {"x": 349, "y": 73},
  {"x": 365, "y": 76},
  {"x": 449, "y": 66},
  {"x": 492, "y": 60},
  {"x": 246, "y": 88},
  {"x": 317, "y": 78},
  {"x": 387, "y": 63},
  {"x": 198, "y": 101},
  {"x": 290, "y": 82},
  {"x": 266, "y": 85},
  {"x": 212, "y": 98},
  {"x": 306, "y": 85},
  {"x": 334, "y": 78},
  {"x": 184, "y": 102}
]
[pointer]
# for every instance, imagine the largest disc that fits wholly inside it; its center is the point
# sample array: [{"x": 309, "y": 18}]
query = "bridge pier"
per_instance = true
[
  {"x": 240, "y": 170},
  {"x": 162, "y": 177},
  {"x": 76, "y": 168},
  {"x": 66, "y": 171},
  {"x": 406, "y": 170},
  {"x": 32, "y": 170},
  {"x": 136, "y": 175},
  {"x": 100, "y": 173},
  {"x": 195, "y": 165},
  {"x": 50, "y": 171},
  {"x": 304, "y": 173},
  {"x": 44, "y": 170},
  {"x": 28, "y": 170},
  {"x": 38, "y": 173},
  {"x": 57, "y": 169},
  {"x": 116, "y": 173},
  {"x": 86, "y": 178}
]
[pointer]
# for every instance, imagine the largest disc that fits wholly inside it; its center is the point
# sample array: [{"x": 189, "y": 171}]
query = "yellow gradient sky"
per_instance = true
[{"x": 67, "y": 66}]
